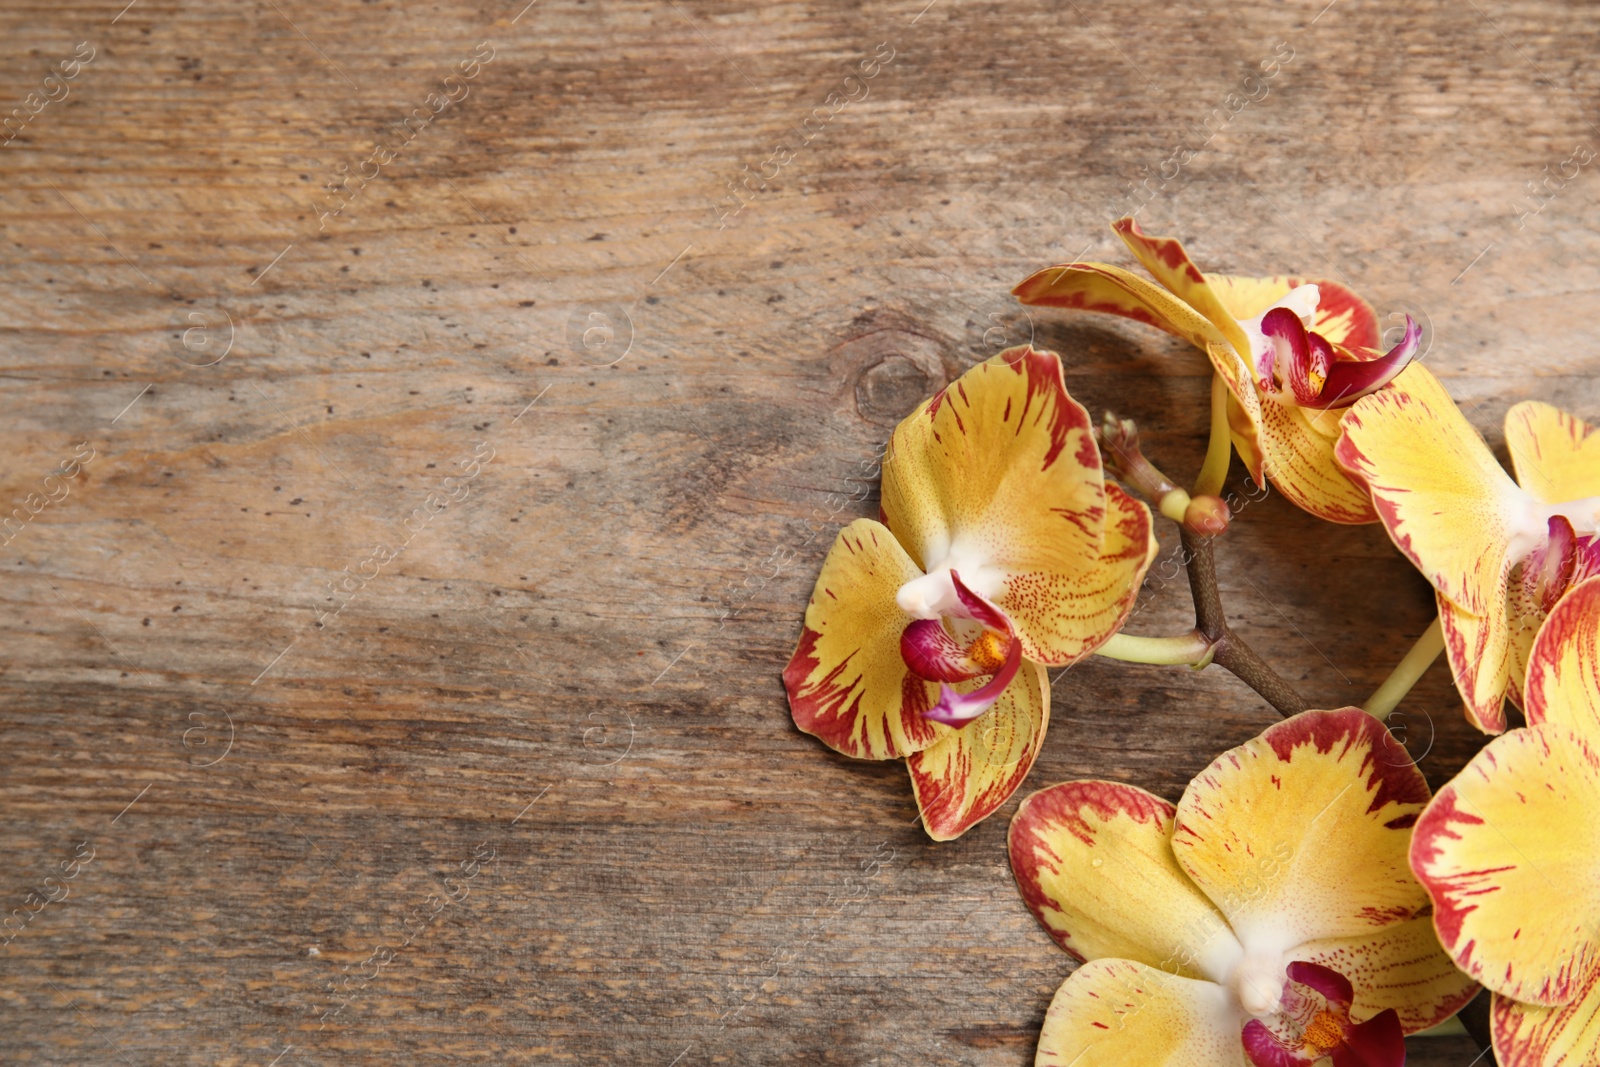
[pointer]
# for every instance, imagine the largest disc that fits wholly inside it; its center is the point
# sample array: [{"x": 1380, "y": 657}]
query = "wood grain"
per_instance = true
[{"x": 574, "y": 663}]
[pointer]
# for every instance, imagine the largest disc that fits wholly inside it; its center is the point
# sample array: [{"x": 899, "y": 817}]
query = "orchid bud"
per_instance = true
[{"x": 1207, "y": 516}]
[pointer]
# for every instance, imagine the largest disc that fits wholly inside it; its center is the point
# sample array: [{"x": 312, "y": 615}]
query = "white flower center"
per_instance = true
[
  {"x": 1532, "y": 528},
  {"x": 933, "y": 595},
  {"x": 1258, "y": 983},
  {"x": 1303, "y": 301}
]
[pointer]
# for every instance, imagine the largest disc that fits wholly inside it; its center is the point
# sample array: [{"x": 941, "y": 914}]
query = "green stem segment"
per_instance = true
[
  {"x": 1189, "y": 650},
  {"x": 1219, "y": 450},
  {"x": 1406, "y": 673}
]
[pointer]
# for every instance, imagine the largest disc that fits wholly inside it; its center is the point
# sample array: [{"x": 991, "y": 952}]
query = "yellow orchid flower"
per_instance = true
[
  {"x": 1291, "y": 353},
  {"x": 1498, "y": 553},
  {"x": 1504, "y": 851},
  {"x": 1254, "y": 922},
  {"x": 1001, "y": 550}
]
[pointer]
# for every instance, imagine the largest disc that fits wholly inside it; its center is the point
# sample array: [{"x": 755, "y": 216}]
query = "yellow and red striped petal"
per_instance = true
[
  {"x": 1297, "y": 446},
  {"x": 1504, "y": 852},
  {"x": 1479, "y": 649},
  {"x": 964, "y": 777},
  {"x": 1118, "y": 1013},
  {"x": 1563, "y": 683},
  {"x": 1342, "y": 317},
  {"x": 1556, "y": 455},
  {"x": 1114, "y": 291},
  {"x": 1440, "y": 494},
  {"x": 847, "y": 683},
  {"x": 1525, "y": 614},
  {"x": 1526, "y": 1035},
  {"x": 1068, "y": 616},
  {"x": 1170, "y": 265},
  {"x": 1401, "y": 966},
  {"x": 998, "y": 478},
  {"x": 1244, "y": 427},
  {"x": 1095, "y": 866},
  {"x": 1300, "y": 834}
]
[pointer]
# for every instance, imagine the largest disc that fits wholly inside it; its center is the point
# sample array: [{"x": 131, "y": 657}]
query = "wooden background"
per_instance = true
[{"x": 573, "y": 669}]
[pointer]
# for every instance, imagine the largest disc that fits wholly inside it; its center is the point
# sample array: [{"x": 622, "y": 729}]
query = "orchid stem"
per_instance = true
[
  {"x": 1189, "y": 650},
  {"x": 1219, "y": 450},
  {"x": 1230, "y": 650},
  {"x": 1406, "y": 673}
]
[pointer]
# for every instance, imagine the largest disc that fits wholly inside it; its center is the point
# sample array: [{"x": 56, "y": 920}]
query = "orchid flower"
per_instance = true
[
  {"x": 1506, "y": 852},
  {"x": 1499, "y": 553},
  {"x": 1269, "y": 918},
  {"x": 1291, "y": 353},
  {"x": 1001, "y": 550}
]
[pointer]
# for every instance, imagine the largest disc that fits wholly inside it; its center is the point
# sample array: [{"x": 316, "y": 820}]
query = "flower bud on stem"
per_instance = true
[{"x": 1205, "y": 514}]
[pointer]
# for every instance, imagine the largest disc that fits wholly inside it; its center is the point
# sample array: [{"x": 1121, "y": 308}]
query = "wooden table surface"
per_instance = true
[{"x": 502, "y": 764}]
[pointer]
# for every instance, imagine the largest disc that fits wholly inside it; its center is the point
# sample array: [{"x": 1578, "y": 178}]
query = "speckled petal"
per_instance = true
[
  {"x": 1401, "y": 966},
  {"x": 1479, "y": 651},
  {"x": 965, "y": 777},
  {"x": 1556, "y": 455},
  {"x": 1563, "y": 683},
  {"x": 1118, "y": 1013},
  {"x": 1300, "y": 834},
  {"x": 1503, "y": 851},
  {"x": 1442, "y": 497},
  {"x": 1094, "y": 864},
  {"x": 847, "y": 683},
  {"x": 1526, "y": 1035},
  {"x": 1068, "y": 616},
  {"x": 1297, "y": 446}
]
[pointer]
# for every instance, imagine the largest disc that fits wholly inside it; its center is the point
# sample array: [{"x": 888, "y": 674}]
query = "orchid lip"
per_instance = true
[
  {"x": 925, "y": 651},
  {"x": 1531, "y": 533},
  {"x": 1351, "y": 379}
]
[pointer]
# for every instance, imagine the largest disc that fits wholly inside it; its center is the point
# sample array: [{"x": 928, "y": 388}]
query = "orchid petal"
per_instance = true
[
  {"x": 999, "y": 477},
  {"x": 1170, "y": 265},
  {"x": 1525, "y": 614},
  {"x": 1094, "y": 864},
  {"x": 1114, "y": 291},
  {"x": 1479, "y": 651},
  {"x": 1563, "y": 683},
  {"x": 1071, "y": 615},
  {"x": 1104, "y": 288},
  {"x": 1300, "y": 834},
  {"x": 1342, "y": 316},
  {"x": 1446, "y": 503},
  {"x": 965, "y": 777},
  {"x": 1348, "y": 380},
  {"x": 1299, "y": 454},
  {"x": 1526, "y": 1035},
  {"x": 1556, "y": 455},
  {"x": 847, "y": 682},
  {"x": 1244, "y": 427},
  {"x": 1113, "y": 1013},
  {"x": 1512, "y": 886},
  {"x": 1402, "y": 967}
]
